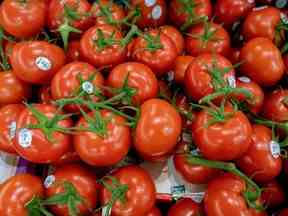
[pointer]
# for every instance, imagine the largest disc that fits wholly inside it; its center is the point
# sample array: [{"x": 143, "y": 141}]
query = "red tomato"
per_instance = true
[
  {"x": 207, "y": 37},
  {"x": 262, "y": 61},
  {"x": 160, "y": 60},
  {"x": 223, "y": 141},
  {"x": 273, "y": 194},
  {"x": 284, "y": 212},
  {"x": 184, "y": 207},
  {"x": 83, "y": 180},
  {"x": 32, "y": 144},
  {"x": 36, "y": 61},
  {"x": 140, "y": 197},
  {"x": 180, "y": 67},
  {"x": 23, "y": 19},
  {"x": 73, "y": 51},
  {"x": 154, "y": 212},
  {"x": 234, "y": 55},
  {"x": 262, "y": 160},
  {"x": 198, "y": 81},
  {"x": 44, "y": 94},
  {"x": 17, "y": 191},
  {"x": 228, "y": 12},
  {"x": 12, "y": 90},
  {"x": 175, "y": 35},
  {"x": 96, "y": 50},
  {"x": 276, "y": 105},
  {"x": 104, "y": 149},
  {"x": 69, "y": 157},
  {"x": 8, "y": 118},
  {"x": 157, "y": 130},
  {"x": 140, "y": 77},
  {"x": 153, "y": 12}
]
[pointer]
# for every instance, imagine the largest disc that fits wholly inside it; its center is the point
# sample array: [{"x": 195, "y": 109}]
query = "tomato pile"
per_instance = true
[{"x": 94, "y": 88}]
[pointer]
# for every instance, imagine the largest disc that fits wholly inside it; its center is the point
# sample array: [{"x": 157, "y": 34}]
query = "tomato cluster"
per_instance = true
[{"x": 95, "y": 88}]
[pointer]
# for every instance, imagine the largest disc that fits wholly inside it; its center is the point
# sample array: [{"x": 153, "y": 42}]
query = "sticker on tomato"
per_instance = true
[
  {"x": 231, "y": 81},
  {"x": 149, "y": 3},
  {"x": 12, "y": 129},
  {"x": 275, "y": 149},
  {"x": 43, "y": 63},
  {"x": 88, "y": 87},
  {"x": 156, "y": 12},
  {"x": 244, "y": 79},
  {"x": 49, "y": 181},
  {"x": 25, "y": 138}
]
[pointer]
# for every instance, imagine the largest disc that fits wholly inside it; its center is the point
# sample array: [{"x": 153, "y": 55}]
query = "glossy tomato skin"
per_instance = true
[
  {"x": 276, "y": 105},
  {"x": 73, "y": 51},
  {"x": 184, "y": 207},
  {"x": 160, "y": 60},
  {"x": 284, "y": 212},
  {"x": 39, "y": 149},
  {"x": 8, "y": 118},
  {"x": 273, "y": 194},
  {"x": 140, "y": 77},
  {"x": 141, "y": 195},
  {"x": 154, "y": 212},
  {"x": 259, "y": 161},
  {"x": 12, "y": 89},
  {"x": 175, "y": 35},
  {"x": 23, "y": 20},
  {"x": 218, "y": 43},
  {"x": 180, "y": 67},
  {"x": 103, "y": 151},
  {"x": 157, "y": 130},
  {"x": 222, "y": 141},
  {"x": 198, "y": 81},
  {"x": 83, "y": 180},
  {"x": 17, "y": 191},
  {"x": 262, "y": 61},
  {"x": 36, "y": 62},
  {"x": 108, "y": 56}
]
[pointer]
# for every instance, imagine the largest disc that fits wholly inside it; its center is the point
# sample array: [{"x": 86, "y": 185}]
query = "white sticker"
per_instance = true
[
  {"x": 43, "y": 63},
  {"x": 260, "y": 8},
  {"x": 104, "y": 211},
  {"x": 275, "y": 149},
  {"x": 244, "y": 79},
  {"x": 198, "y": 197},
  {"x": 88, "y": 87},
  {"x": 284, "y": 18},
  {"x": 231, "y": 81},
  {"x": 196, "y": 152},
  {"x": 49, "y": 181},
  {"x": 150, "y": 3},
  {"x": 12, "y": 130},
  {"x": 156, "y": 12},
  {"x": 25, "y": 138}
]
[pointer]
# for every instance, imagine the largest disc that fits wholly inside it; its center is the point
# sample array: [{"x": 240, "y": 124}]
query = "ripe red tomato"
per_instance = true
[
  {"x": 32, "y": 144},
  {"x": 23, "y": 19},
  {"x": 262, "y": 160},
  {"x": 70, "y": 156},
  {"x": 73, "y": 51},
  {"x": 180, "y": 67},
  {"x": 273, "y": 194},
  {"x": 175, "y": 35},
  {"x": 223, "y": 141},
  {"x": 184, "y": 207},
  {"x": 17, "y": 191},
  {"x": 140, "y": 196},
  {"x": 207, "y": 37},
  {"x": 13, "y": 90},
  {"x": 36, "y": 61},
  {"x": 157, "y": 130},
  {"x": 44, "y": 94},
  {"x": 107, "y": 148},
  {"x": 82, "y": 179},
  {"x": 160, "y": 60},
  {"x": 8, "y": 118},
  {"x": 262, "y": 61},
  {"x": 284, "y": 212},
  {"x": 154, "y": 212},
  {"x": 276, "y": 105},
  {"x": 96, "y": 50},
  {"x": 140, "y": 77}
]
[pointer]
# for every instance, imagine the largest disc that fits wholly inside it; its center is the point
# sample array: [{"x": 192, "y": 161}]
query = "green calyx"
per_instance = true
[
  {"x": 3, "y": 58},
  {"x": 35, "y": 207},
  {"x": 104, "y": 41},
  {"x": 153, "y": 42}
]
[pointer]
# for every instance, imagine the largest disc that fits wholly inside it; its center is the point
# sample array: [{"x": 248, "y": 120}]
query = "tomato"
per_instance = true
[
  {"x": 273, "y": 194},
  {"x": 180, "y": 67},
  {"x": 284, "y": 212},
  {"x": 33, "y": 144},
  {"x": 12, "y": 90},
  {"x": 154, "y": 212},
  {"x": 285, "y": 60},
  {"x": 83, "y": 180},
  {"x": 193, "y": 173},
  {"x": 36, "y": 61},
  {"x": 262, "y": 61},
  {"x": 234, "y": 55},
  {"x": 8, "y": 117},
  {"x": 95, "y": 47},
  {"x": 207, "y": 37},
  {"x": 262, "y": 160},
  {"x": 186, "y": 12},
  {"x": 153, "y": 13},
  {"x": 76, "y": 78},
  {"x": 223, "y": 141},
  {"x": 140, "y": 77},
  {"x": 276, "y": 105},
  {"x": 228, "y": 12},
  {"x": 160, "y": 60},
  {"x": 73, "y": 51},
  {"x": 157, "y": 130},
  {"x": 198, "y": 81},
  {"x": 44, "y": 94},
  {"x": 23, "y": 19},
  {"x": 175, "y": 35},
  {"x": 17, "y": 191},
  {"x": 70, "y": 156},
  {"x": 104, "y": 147},
  {"x": 185, "y": 110},
  {"x": 261, "y": 23},
  {"x": 184, "y": 207}
]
